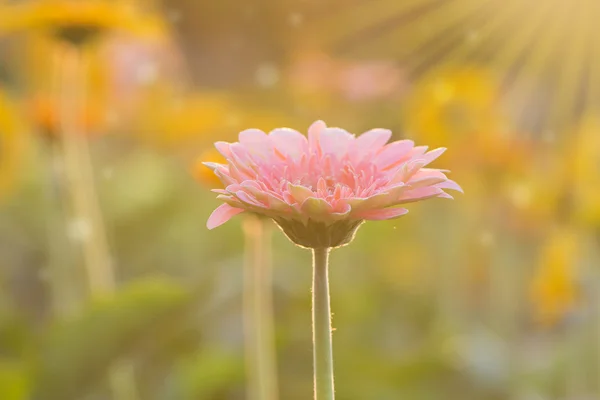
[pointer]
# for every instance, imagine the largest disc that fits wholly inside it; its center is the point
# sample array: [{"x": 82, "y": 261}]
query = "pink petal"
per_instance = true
[
  {"x": 289, "y": 142},
  {"x": 223, "y": 174},
  {"x": 419, "y": 194},
  {"x": 231, "y": 200},
  {"x": 449, "y": 184},
  {"x": 432, "y": 155},
  {"x": 211, "y": 165},
  {"x": 373, "y": 139},
  {"x": 340, "y": 211},
  {"x": 255, "y": 142},
  {"x": 409, "y": 169},
  {"x": 299, "y": 193},
  {"x": 252, "y": 136},
  {"x": 316, "y": 208},
  {"x": 335, "y": 141},
  {"x": 314, "y": 131},
  {"x": 222, "y": 214},
  {"x": 378, "y": 200},
  {"x": 248, "y": 199},
  {"x": 238, "y": 175},
  {"x": 223, "y": 148},
  {"x": 427, "y": 178},
  {"x": 393, "y": 154},
  {"x": 274, "y": 203},
  {"x": 378, "y": 215}
]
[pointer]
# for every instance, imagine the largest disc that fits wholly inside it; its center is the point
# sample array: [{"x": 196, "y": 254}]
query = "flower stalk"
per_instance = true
[
  {"x": 87, "y": 226},
  {"x": 259, "y": 335},
  {"x": 321, "y": 318}
]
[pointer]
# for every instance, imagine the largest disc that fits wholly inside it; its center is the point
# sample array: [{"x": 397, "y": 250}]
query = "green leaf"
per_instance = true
[
  {"x": 209, "y": 371},
  {"x": 76, "y": 354},
  {"x": 14, "y": 382}
]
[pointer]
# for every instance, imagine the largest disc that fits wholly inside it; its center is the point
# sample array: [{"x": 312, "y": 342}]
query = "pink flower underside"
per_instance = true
[{"x": 329, "y": 176}]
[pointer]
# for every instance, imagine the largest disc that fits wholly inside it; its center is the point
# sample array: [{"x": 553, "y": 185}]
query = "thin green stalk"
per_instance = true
[
  {"x": 321, "y": 315},
  {"x": 85, "y": 209},
  {"x": 66, "y": 298},
  {"x": 258, "y": 311}
]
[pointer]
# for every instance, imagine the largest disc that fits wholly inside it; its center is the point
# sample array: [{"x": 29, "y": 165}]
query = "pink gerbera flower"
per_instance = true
[{"x": 321, "y": 188}]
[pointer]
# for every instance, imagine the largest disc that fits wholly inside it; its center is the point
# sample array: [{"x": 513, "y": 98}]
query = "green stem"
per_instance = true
[
  {"x": 64, "y": 284},
  {"x": 321, "y": 314},
  {"x": 84, "y": 204},
  {"x": 258, "y": 311}
]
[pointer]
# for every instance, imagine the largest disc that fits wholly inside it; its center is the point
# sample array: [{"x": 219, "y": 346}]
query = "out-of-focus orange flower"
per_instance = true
[
  {"x": 554, "y": 289},
  {"x": 76, "y": 21},
  {"x": 11, "y": 144},
  {"x": 509, "y": 152},
  {"x": 45, "y": 113}
]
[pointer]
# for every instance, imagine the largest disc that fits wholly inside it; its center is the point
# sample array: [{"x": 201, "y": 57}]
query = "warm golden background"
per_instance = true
[{"x": 493, "y": 296}]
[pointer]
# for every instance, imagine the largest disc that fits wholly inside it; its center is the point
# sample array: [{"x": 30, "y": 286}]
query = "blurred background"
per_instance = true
[{"x": 493, "y": 296}]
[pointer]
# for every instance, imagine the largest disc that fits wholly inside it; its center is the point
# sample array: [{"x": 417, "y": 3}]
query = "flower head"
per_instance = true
[
  {"x": 321, "y": 188},
  {"x": 76, "y": 21},
  {"x": 11, "y": 143},
  {"x": 555, "y": 291}
]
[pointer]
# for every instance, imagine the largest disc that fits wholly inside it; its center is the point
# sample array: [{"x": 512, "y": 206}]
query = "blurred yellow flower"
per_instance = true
[
  {"x": 172, "y": 121},
  {"x": 11, "y": 144},
  {"x": 76, "y": 21},
  {"x": 168, "y": 120},
  {"x": 453, "y": 105},
  {"x": 554, "y": 290},
  {"x": 533, "y": 200},
  {"x": 584, "y": 161}
]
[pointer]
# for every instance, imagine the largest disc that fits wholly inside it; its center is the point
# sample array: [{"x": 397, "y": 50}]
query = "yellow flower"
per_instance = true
[
  {"x": 533, "y": 201},
  {"x": 585, "y": 171},
  {"x": 76, "y": 21},
  {"x": 11, "y": 144},
  {"x": 453, "y": 105},
  {"x": 554, "y": 290},
  {"x": 170, "y": 121},
  {"x": 199, "y": 118}
]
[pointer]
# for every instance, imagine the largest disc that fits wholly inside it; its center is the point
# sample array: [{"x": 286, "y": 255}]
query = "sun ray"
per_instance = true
[
  {"x": 366, "y": 19},
  {"x": 521, "y": 39},
  {"x": 483, "y": 36},
  {"x": 593, "y": 83},
  {"x": 564, "y": 108},
  {"x": 546, "y": 53},
  {"x": 409, "y": 37},
  {"x": 434, "y": 41},
  {"x": 533, "y": 70}
]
